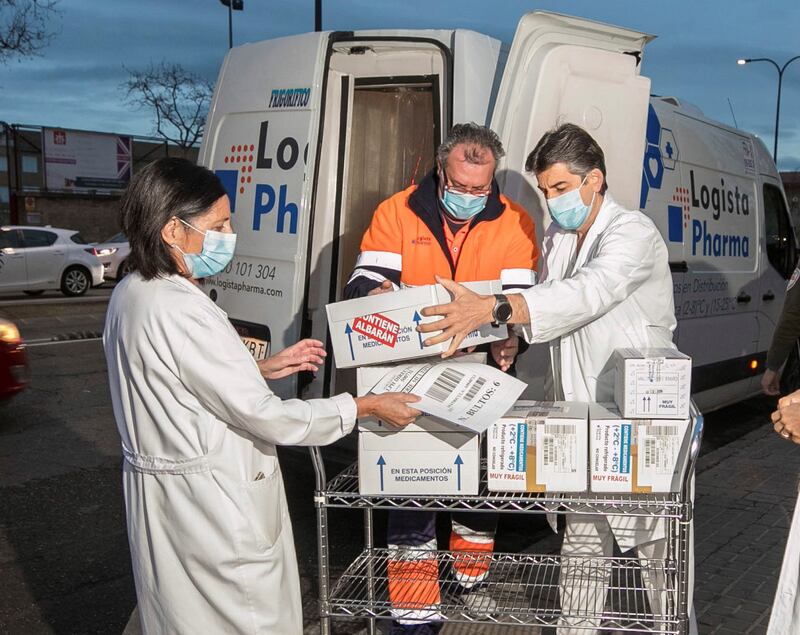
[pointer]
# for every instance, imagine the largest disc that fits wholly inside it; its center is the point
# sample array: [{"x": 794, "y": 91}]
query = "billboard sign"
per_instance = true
[{"x": 81, "y": 161}]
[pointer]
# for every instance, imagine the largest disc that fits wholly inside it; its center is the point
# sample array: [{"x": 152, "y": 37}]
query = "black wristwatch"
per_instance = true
[{"x": 501, "y": 313}]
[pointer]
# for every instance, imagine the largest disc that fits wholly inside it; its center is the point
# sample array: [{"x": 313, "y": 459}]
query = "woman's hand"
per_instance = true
[
  {"x": 504, "y": 352},
  {"x": 391, "y": 407},
  {"x": 786, "y": 419},
  {"x": 305, "y": 355}
]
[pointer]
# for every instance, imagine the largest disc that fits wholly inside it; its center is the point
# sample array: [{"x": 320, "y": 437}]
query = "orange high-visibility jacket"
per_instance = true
[{"x": 406, "y": 244}]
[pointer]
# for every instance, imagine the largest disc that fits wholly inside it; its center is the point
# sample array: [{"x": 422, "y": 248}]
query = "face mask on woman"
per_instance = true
[
  {"x": 569, "y": 210},
  {"x": 215, "y": 255}
]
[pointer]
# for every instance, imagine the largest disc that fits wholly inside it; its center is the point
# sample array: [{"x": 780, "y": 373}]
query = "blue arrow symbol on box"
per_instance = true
[
  {"x": 381, "y": 463},
  {"x": 459, "y": 463},
  {"x": 349, "y": 332},
  {"x": 417, "y": 318}
]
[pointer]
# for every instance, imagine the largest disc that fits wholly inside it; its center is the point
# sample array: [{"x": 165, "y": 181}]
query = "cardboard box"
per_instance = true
[
  {"x": 382, "y": 328},
  {"x": 652, "y": 383},
  {"x": 368, "y": 376},
  {"x": 408, "y": 462},
  {"x": 539, "y": 446},
  {"x": 639, "y": 456},
  {"x": 422, "y": 457}
]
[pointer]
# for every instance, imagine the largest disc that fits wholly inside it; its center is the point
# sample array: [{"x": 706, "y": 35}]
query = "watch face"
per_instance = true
[{"x": 503, "y": 312}]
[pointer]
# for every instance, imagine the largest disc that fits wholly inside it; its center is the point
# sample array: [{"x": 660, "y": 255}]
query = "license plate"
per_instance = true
[{"x": 259, "y": 349}]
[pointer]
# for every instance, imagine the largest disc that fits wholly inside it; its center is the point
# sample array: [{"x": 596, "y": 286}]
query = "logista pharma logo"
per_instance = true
[{"x": 421, "y": 240}]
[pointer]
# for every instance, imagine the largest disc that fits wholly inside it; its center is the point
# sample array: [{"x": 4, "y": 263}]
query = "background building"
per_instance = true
[{"x": 71, "y": 178}]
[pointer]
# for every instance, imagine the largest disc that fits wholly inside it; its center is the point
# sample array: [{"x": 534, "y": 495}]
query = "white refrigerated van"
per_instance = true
[{"x": 310, "y": 132}]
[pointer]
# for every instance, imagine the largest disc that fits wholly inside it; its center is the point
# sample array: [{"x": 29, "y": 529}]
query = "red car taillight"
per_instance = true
[{"x": 91, "y": 250}]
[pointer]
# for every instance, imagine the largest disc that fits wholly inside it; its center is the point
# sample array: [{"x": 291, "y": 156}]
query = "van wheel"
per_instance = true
[
  {"x": 75, "y": 281},
  {"x": 36, "y": 292}
]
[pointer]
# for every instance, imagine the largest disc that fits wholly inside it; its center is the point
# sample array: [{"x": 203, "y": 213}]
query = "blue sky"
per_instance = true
[{"x": 76, "y": 82}]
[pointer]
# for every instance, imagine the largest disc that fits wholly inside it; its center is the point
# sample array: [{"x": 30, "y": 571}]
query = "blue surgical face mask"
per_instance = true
[
  {"x": 215, "y": 255},
  {"x": 463, "y": 206},
  {"x": 569, "y": 210}
]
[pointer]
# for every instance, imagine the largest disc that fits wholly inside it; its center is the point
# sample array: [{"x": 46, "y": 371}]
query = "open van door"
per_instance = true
[
  {"x": 562, "y": 69},
  {"x": 309, "y": 133}
]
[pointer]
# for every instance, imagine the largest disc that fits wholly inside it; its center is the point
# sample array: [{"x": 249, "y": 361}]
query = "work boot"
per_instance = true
[{"x": 479, "y": 602}]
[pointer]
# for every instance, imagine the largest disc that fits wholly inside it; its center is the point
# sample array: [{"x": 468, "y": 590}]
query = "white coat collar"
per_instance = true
[{"x": 193, "y": 288}]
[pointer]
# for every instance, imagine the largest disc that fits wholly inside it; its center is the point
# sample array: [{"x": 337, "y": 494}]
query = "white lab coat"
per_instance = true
[
  {"x": 615, "y": 293},
  {"x": 785, "y": 617},
  {"x": 210, "y": 537}
]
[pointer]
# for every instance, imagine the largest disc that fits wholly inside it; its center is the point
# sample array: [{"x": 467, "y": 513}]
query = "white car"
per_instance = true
[
  {"x": 35, "y": 259},
  {"x": 114, "y": 253}
]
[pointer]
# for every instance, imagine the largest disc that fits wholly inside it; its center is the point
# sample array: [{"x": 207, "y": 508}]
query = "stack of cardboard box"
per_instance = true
[
  {"x": 430, "y": 456},
  {"x": 638, "y": 446}
]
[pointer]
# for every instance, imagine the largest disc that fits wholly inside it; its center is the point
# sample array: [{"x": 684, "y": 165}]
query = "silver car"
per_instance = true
[
  {"x": 35, "y": 259},
  {"x": 114, "y": 253}
]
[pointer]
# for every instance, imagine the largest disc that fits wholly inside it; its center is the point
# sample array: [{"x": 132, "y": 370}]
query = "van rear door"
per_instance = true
[
  {"x": 309, "y": 133},
  {"x": 260, "y": 140},
  {"x": 562, "y": 69}
]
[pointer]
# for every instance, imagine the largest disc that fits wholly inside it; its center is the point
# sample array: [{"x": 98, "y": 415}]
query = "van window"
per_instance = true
[
  {"x": 781, "y": 248},
  {"x": 38, "y": 238}
]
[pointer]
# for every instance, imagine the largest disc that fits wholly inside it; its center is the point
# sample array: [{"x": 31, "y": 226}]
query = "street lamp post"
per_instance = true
[
  {"x": 780, "y": 70},
  {"x": 233, "y": 5}
]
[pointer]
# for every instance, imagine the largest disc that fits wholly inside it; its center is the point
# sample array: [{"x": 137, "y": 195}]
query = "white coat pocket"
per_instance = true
[{"x": 263, "y": 509}]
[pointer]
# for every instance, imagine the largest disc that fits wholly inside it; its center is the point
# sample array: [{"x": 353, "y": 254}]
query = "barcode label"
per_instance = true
[
  {"x": 475, "y": 388},
  {"x": 549, "y": 452},
  {"x": 444, "y": 385},
  {"x": 661, "y": 431},
  {"x": 649, "y": 448},
  {"x": 559, "y": 428}
]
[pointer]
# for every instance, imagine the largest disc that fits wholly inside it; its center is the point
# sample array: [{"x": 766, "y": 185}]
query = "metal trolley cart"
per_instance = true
[{"x": 525, "y": 585}]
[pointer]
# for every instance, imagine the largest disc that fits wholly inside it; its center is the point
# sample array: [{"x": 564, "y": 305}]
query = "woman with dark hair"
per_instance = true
[{"x": 208, "y": 526}]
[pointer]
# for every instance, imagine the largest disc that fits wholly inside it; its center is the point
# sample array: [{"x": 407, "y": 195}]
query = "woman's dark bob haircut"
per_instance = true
[{"x": 163, "y": 189}]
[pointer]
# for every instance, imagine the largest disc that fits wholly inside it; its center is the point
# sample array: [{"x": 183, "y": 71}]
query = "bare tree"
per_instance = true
[
  {"x": 179, "y": 99},
  {"x": 25, "y": 27}
]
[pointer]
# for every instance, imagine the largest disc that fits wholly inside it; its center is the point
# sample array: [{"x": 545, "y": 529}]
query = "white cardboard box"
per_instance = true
[
  {"x": 652, "y": 383},
  {"x": 407, "y": 462},
  {"x": 368, "y": 376},
  {"x": 635, "y": 455},
  {"x": 539, "y": 446},
  {"x": 382, "y": 328}
]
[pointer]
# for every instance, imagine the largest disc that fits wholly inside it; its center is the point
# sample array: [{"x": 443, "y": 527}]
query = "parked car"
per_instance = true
[
  {"x": 114, "y": 253},
  {"x": 35, "y": 259},
  {"x": 14, "y": 375}
]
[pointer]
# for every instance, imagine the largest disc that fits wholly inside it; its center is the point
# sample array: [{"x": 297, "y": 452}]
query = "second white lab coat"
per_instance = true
[
  {"x": 785, "y": 616},
  {"x": 208, "y": 526},
  {"x": 616, "y": 292}
]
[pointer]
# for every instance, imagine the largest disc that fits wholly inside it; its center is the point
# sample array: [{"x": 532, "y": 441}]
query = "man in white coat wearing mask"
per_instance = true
[
  {"x": 208, "y": 525},
  {"x": 605, "y": 284}
]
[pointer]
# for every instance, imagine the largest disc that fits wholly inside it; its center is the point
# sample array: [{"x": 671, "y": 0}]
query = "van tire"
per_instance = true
[{"x": 76, "y": 281}]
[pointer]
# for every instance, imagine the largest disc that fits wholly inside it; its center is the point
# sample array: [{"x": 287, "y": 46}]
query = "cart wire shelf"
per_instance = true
[
  {"x": 525, "y": 588},
  {"x": 343, "y": 491}
]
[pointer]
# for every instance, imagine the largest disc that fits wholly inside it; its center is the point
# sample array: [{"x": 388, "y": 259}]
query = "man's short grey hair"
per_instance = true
[
  {"x": 571, "y": 145},
  {"x": 476, "y": 138}
]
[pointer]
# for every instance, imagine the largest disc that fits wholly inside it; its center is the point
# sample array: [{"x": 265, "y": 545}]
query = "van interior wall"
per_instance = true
[{"x": 391, "y": 148}]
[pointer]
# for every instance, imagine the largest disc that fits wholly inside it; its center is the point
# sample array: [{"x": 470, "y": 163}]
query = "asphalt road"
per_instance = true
[{"x": 64, "y": 561}]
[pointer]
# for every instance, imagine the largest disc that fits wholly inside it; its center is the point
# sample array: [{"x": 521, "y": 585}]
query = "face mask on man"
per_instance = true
[
  {"x": 463, "y": 206},
  {"x": 568, "y": 209},
  {"x": 215, "y": 255}
]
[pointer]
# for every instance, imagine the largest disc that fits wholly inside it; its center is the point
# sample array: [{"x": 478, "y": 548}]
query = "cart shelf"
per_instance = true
[
  {"x": 342, "y": 491},
  {"x": 525, "y": 587}
]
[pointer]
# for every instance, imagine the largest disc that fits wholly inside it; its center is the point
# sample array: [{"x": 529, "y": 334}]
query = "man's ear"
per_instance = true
[
  {"x": 171, "y": 232},
  {"x": 596, "y": 180}
]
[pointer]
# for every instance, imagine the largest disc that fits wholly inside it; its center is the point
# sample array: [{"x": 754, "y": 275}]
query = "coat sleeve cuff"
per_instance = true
[
  {"x": 346, "y": 406},
  {"x": 529, "y": 330}
]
